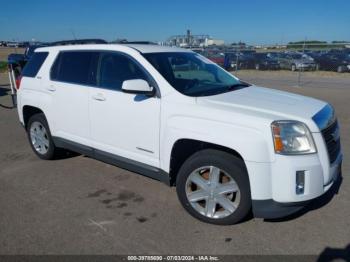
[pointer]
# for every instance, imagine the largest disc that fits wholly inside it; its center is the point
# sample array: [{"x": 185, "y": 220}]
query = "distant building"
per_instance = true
[
  {"x": 191, "y": 41},
  {"x": 210, "y": 41}
]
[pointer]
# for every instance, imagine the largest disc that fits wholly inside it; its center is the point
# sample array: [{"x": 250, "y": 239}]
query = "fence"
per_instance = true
[{"x": 297, "y": 64}]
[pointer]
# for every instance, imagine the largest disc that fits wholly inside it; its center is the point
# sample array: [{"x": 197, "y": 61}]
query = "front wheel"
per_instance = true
[{"x": 213, "y": 186}]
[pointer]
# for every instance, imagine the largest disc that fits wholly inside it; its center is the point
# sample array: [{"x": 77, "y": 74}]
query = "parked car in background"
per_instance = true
[
  {"x": 218, "y": 58},
  {"x": 17, "y": 62},
  {"x": 263, "y": 62},
  {"x": 334, "y": 62},
  {"x": 273, "y": 55},
  {"x": 344, "y": 51},
  {"x": 247, "y": 52},
  {"x": 239, "y": 60},
  {"x": 296, "y": 61}
]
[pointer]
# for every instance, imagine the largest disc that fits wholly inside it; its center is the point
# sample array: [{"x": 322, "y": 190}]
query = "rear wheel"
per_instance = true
[
  {"x": 40, "y": 137},
  {"x": 213, "y": 186}
]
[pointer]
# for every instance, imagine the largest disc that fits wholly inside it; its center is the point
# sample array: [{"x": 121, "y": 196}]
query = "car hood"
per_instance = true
[{"x": 267, "y": 103}]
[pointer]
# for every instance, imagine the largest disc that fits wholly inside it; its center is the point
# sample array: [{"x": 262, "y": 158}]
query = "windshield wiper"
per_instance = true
[{"x": 235, "y": 86}]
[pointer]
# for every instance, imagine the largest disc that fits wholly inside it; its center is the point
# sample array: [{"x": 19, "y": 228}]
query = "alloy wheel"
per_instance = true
[
  {"x": 39, "y": 137},
  {"x": 212, "y": 192}
]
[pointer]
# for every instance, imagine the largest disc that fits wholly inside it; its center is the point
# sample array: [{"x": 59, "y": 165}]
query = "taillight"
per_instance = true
[{"x": 18, "y": 82}]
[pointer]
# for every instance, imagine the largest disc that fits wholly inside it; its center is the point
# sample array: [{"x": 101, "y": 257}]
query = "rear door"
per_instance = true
[{"x": 71, "y": 75}]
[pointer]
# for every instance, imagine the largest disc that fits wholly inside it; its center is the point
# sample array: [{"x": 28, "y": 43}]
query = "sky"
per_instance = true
[{"x": 253, "y": 21}]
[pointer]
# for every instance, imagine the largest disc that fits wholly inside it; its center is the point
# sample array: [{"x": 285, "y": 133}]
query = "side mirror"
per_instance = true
[{"x": 138, "y": 86}]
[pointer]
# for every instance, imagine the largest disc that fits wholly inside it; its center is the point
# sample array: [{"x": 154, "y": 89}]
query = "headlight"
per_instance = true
[{"x": 292, "y": 138}]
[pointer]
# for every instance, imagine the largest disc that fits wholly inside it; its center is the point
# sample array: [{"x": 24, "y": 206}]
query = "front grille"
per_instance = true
[{"x": 332, "y": 140}]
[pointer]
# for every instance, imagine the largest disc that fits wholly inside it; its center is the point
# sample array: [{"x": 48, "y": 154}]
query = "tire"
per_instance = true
[
  {"x": 231, "y": 172},
  {"x": 40, "y": 138},
  {"x": 293, "y": 68}
]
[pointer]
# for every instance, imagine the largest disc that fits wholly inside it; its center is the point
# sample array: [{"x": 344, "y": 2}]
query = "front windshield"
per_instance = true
[{"x": 192, "y": 74}]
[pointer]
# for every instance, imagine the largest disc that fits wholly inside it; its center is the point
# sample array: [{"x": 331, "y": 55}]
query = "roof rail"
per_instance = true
[
  {"x": 136, "y": 42},
  {"x": 79, "y": 42}
]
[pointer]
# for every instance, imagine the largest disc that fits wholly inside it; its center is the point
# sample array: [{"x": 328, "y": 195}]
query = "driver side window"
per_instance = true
[
  {"x": 115, "y": 68},
  {"x": 184, "y": 67}
]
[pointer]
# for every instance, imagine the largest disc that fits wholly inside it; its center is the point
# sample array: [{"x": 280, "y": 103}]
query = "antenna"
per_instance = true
[{"x": 73, "y": 33}]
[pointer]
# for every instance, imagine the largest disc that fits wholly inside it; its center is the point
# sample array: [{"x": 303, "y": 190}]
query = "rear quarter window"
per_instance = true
[
  {"x": 77, "y": 67},
  {"x": 33, "y": 66}
]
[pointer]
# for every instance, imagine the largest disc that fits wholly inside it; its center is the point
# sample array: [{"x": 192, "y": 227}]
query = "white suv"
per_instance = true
[{"x": 173, "y": 115}]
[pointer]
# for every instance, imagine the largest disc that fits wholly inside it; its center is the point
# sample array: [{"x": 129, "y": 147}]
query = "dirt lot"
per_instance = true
[
  {"x": 5, "y": 51},
  {"x": 81, "y": 206}
]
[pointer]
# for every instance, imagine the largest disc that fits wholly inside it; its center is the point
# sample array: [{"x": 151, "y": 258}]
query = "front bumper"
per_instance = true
[{"x": 270, "y": 209}]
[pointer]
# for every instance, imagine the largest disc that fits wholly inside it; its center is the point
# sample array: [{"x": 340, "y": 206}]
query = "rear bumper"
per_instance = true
[{"x": 306, "y": 66}]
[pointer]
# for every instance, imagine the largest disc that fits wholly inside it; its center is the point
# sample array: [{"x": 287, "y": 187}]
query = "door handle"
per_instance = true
[
  {"x": 51, "y": 88},
  {"x": 99, "y": 97}
]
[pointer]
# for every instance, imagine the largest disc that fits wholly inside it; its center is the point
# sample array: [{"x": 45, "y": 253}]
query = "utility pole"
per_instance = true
[{"x": 300, "y": 68}]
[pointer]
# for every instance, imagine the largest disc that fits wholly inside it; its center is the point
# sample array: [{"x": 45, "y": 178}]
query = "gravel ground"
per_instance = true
[
  {"x": 5, "y": 51},
  {"x": 79, "y": 205}
]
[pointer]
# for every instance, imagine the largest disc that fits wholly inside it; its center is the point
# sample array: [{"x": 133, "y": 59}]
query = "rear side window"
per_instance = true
[
  {"x": 34, "y": 64},
  {"x": 77, "y": 67}
]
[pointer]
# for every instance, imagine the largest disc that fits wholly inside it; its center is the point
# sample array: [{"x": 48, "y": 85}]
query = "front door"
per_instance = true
[{"x": 125, "y": 125}]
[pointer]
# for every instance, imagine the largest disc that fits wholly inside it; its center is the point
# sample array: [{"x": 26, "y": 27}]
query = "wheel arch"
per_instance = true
[
  {"x": 183, "y": 148},
  {"x": 28, "y": 111}
]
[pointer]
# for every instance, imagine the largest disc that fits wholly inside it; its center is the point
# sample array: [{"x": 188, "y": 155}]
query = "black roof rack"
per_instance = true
[
  {"x": 135, "y": 42},
  {"x": 79, "y": 42}
]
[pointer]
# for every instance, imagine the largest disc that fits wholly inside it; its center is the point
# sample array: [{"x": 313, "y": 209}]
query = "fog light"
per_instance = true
[{"x": 300, "y": 182}]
